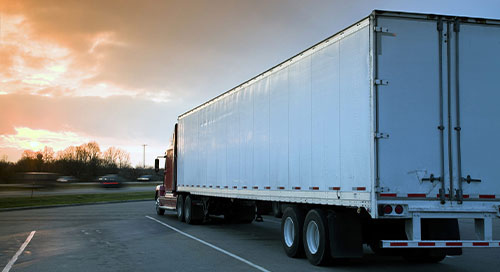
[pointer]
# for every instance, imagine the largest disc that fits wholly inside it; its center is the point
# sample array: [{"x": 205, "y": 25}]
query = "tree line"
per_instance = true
[{"x": 85, "y": 162}]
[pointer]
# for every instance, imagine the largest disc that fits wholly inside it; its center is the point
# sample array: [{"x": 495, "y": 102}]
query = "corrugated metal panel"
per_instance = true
[
  {"x": 300, "y": 127},
  {"x": 278, "y": 129},
  {"x": 283, "y": 131},
  {"x": 355, "y": 110},
  {"x": 325, "y": 118}
]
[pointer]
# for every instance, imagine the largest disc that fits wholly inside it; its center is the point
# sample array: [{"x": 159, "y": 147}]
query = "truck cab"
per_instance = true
[{"x": 165, "y": 195}]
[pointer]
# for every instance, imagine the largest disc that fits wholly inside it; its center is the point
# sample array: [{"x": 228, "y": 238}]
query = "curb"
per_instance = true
[{"x": 69, "y": 205}]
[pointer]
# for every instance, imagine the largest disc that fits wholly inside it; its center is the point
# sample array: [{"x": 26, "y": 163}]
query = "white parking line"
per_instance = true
[
  {"x": 19, "y": 252},
  {"x": 210, "y": 245}
]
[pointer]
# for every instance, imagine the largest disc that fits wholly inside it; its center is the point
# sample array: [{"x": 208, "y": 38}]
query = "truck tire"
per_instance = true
[
  {"x": 192, "y": 213},
  {"x": 316, "y": 237},
  {"x": 179, "y": 207},
  {"x": 291, "y": 232},
  {"x": 159, "y": 211},
  {"x": 277, "y": 212}
]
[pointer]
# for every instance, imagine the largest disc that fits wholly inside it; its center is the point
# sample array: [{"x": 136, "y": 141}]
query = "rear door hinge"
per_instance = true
[
  {"x": 381, "y": 82},
  {"x": 380, "y": 135},
  {"x": 381, "y": 29}
]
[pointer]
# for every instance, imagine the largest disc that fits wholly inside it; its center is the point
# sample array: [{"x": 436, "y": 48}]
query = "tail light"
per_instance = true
[
  {"x": 399, "y": 209},
  {"x": 387, "y": 209}
]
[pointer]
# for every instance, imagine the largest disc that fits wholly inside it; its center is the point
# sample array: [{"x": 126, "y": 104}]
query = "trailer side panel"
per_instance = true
[{"x": 301, "y": 132}]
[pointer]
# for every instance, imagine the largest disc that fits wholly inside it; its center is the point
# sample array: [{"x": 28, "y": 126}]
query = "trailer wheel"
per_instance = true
[
  {"x": 180, "y": 207},
  {"x": 291, "y": 232},
  {"x": 192, "y": 212},
  {"x": 159, "y": 211},
  {"x": 188, "y": 211},
  {"x": 316, "y": 238}
]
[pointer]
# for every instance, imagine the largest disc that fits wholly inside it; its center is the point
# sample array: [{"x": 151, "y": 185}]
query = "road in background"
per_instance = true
[
  {"x": 119, "y": 237},
  {"x": 79, "y": 188}
]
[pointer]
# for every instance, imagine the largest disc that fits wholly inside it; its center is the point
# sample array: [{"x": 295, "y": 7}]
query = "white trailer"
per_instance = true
[{"x": 385, "y": 133}]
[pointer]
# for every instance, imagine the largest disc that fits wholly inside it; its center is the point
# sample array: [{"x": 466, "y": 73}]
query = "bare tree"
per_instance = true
[
  {"x": 116, "y": 156},
  {"x": 29, "y": 154},
  {"x": 67, "y": 154},
  {"x": 93, "y": 151},
  {"x": 123, "y": 158},
  {"x": 48, "y": 154},
  {"x": 110, "y": 156}
]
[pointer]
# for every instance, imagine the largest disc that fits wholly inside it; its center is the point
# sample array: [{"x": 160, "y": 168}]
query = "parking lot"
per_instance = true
[{"x": 131, "y": 237}]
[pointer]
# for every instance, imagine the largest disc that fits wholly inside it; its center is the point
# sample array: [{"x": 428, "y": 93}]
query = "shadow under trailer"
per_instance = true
[{"x": 383, "y": 134}]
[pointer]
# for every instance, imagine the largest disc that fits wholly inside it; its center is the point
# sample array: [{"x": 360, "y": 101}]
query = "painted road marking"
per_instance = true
[
  {"x": 19, "y": 252},
  {"x": 210, "y": 245}
]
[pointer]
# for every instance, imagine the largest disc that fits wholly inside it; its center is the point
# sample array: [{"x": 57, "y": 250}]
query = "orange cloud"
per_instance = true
[{"x": 35, "y": 65}]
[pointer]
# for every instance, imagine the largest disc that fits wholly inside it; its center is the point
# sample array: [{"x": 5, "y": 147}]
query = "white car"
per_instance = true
[
  {"x": 66, "y": 179},
  {"x": 145, "y": 178}
]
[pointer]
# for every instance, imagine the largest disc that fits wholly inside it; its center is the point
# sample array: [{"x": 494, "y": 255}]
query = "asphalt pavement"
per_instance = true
[{"x": 131, "y": 237}]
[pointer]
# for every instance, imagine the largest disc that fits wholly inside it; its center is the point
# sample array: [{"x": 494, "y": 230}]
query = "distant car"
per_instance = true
[
  {"x": 109, "y": 181},
  {"x": 37, "y": 179},
  {"x": 145, "y": 178},
  {"x": 66, "y": 179}
]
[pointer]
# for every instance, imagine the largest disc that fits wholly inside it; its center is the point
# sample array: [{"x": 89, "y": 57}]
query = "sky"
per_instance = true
[{"x": 120, "y": 72}]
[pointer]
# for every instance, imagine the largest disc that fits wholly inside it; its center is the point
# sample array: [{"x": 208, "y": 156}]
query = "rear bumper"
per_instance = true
[
  {"x": 439, "y": 244},
  {"x": 482, "y": 212}
]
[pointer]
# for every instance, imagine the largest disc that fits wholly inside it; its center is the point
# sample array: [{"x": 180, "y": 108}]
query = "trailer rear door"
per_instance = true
[
  {"x": 476, "y": 63},
  {"x": 438, "y": 101},
  {"x": 409, "y": 107}
]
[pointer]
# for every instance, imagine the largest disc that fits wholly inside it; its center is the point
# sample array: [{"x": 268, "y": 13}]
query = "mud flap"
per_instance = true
[
  {"x": 197, "y": 210},
  {"x": 442, "y": 229},
  {"x": 345, "y": 234}
]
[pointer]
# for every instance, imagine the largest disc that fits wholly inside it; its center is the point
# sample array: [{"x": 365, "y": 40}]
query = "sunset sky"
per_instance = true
[{"x": 120, "y": 72}]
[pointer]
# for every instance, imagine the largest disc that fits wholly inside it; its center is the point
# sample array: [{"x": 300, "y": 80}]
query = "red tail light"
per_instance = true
[
  {"x": 387, "y": 209},
  {"x": 399, "y": 209}
]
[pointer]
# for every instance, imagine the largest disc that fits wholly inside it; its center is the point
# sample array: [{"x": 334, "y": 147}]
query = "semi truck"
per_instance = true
[{"x": 385, "y": 134}]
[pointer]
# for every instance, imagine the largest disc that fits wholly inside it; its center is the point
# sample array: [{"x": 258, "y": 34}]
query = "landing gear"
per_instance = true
[
  {"x": 276, "y": 209},
  {"x": 240, "y": 213}
]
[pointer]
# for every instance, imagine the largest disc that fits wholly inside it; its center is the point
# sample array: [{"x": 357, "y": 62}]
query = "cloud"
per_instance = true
[
  {"x": 36, "y": 139},
  {"x": 121, "y": 121},
  {"x": 141, "y": 47},
  {"x": 116, "y": 116}
]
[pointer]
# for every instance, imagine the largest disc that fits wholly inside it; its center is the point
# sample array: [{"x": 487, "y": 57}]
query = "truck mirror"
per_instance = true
[{"x": 157, "y": 165}]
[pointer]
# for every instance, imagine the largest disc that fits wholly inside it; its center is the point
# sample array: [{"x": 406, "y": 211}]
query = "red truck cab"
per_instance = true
[{"x": 165, "y": 195}]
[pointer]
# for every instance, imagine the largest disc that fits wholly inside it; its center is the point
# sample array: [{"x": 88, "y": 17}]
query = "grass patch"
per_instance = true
[{"x": 15, "y": 202}]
